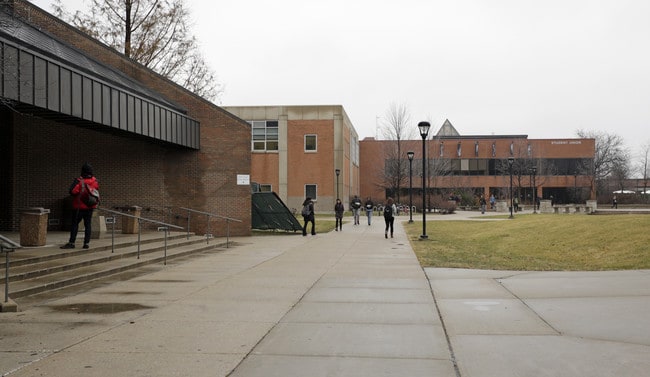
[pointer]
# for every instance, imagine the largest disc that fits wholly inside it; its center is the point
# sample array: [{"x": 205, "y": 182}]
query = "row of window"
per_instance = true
[
  {"x": 495, "y": 167},
  {"x": 310, "y": 189},
  {"x": 265, "y": 136}
]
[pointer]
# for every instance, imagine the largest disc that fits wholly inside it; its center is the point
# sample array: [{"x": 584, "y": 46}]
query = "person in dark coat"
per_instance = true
[
  {"x": 338, "y": 214},
  {"x": 309, "y": 217},
  {"x": 80, "y": 190}
]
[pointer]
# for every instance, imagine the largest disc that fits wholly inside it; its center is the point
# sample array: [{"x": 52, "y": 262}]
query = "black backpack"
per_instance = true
[{"x": 388, "y": 211}]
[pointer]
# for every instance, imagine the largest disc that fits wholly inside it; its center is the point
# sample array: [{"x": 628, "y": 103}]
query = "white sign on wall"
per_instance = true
[{"x": 243, "y": 179}]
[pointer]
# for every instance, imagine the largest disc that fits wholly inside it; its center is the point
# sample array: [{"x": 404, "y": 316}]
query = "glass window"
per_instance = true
[
  {"x": 265, "y": 135},
  {"x": 310, "y": 143},
  {"x": 265, "y": 188},
  {"x": 310, "y": 191}
]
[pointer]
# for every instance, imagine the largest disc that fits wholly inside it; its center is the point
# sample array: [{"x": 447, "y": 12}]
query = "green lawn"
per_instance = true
[{"x": 536, "y": 243}]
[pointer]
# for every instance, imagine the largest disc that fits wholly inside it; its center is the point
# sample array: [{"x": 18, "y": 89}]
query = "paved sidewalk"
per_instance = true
[{"x": 345, "y": 303}]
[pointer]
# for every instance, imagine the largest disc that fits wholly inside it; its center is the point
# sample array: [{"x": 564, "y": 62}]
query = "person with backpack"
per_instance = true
[
  {"x": 389, "y": 217},
  {"x": 338, "y": 214},
  {"x": 85, "y": 198},
  {"x": 369, "y": 208},
  {"x": 308, "y": 216},
  {"x": 356, "y": 208}
]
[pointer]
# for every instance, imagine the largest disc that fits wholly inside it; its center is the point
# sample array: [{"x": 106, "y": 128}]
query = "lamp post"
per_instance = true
[
  {"x": 534, "y": 168},
  {"x": 575, "y": 186},
  {"x": 424, "y": 131},
  {"x": 410, "y": 155},
  {"x": 338, "y": 172},
  {"x": 510, "y": 162}
]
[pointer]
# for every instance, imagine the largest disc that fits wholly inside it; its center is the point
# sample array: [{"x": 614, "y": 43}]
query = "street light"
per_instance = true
[
  {"x": 575, "y": 186},
  {"x": 410, "y": 155},
  {"x": 424, "y": 131},
  {"x": 338, "y": 172},
  {"x": 534, "y": 168},
  {"x": 510, "y": 162}
]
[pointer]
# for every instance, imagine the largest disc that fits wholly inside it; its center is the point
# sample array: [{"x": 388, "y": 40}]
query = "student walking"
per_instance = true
[
  {"x": 83, "y": 204},
  {"x": 369, "y": 207},
  {"x": 338, "y": 214},
  {"x": 389, "y": 217},
  {"x": 308, "y": 216},
  {"x": 356, "y": 208}
]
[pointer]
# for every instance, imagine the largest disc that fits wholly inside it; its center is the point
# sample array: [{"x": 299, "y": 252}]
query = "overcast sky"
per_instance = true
[{"x": 540, "y": 68}]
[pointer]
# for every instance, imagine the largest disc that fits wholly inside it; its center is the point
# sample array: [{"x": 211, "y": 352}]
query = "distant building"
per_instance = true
[
  {"x": 478, "y": 165},
  {"x": 296, "y": 151}
]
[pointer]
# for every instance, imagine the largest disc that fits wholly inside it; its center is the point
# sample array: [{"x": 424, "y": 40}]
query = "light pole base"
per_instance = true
[
  {"x": 410, "y": 221},
  {"x": 424, "y": 237}
]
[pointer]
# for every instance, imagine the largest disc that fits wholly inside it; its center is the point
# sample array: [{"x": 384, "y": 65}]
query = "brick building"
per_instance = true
[
  {"x": 476, "y": 165},
  {"x": 66, "y": 99},
  {"x": 296, "y": 151}
]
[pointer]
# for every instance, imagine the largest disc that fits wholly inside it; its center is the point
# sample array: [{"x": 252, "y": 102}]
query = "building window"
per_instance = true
[
  {"x": 265, "y": 135},
  {"x": 310, "y": 191},
  {"x": 310, "y": 143},
  {"x": 265, "y": 188}
]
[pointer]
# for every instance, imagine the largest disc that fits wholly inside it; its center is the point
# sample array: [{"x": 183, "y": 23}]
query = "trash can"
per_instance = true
[
  {"x": 129, "y": 224},
  {"x": 33, "y": 226}
]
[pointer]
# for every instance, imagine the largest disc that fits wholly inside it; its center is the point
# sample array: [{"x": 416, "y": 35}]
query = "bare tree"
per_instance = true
[
  {"x": 397, "y": 128},
  {"x": 610, "y": 156},
  {"x": 154, "y": 33}
]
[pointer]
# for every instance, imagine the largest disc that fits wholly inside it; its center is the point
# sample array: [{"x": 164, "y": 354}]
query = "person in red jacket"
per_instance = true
[{"x": 80, "y": 190}]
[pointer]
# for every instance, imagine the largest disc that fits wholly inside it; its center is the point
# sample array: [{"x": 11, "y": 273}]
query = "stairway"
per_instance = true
[{"x": 35, "y": 271}]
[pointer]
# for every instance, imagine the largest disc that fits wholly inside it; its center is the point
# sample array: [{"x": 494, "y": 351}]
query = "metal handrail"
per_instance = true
[
  {"x": 164, "y": 227},
  {"x": 9, "y": 246},
  {"x": 208, "y": 214}
]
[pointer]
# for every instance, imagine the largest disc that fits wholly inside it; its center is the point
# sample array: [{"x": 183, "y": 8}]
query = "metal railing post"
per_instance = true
[
  {"x": 189, "y": 214},
  {"x": 207, "y": 232},
  {"x": 227, "y": 233},
  {"x": 113, "y": 219},
  {"x": 139, "y": 232},
  {"x": 166, "y": 229},
  {"x": 6, "y": 273}
]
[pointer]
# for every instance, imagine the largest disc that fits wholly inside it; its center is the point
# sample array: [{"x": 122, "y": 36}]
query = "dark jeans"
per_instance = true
[
  {"x": 77, "y": 216},
  {"x": 389, "y": 224},
  {"x": 313, "y": 225}
]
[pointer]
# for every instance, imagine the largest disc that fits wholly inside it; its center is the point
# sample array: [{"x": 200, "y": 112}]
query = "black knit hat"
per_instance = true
[{"x": 86, "y": 170}]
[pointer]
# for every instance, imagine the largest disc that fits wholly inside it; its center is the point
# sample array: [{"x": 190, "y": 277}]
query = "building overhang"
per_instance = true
[{"x": 44, "y": 77}]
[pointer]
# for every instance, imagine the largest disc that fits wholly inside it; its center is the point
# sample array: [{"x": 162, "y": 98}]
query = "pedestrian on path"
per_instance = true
[
  {"x": 356, "y": 208},
  {"x": 389, "y": 217},
  {"x": 338, "y": 214},
  {"x": 82, "y": 205},
  {"x": 483, "y": 204},
  {"x": 369, "y": 208},
  {"x": 308, "y": 216}
]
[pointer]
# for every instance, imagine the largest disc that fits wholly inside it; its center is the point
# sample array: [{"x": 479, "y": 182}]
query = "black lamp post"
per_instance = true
[
  {"x": 338, "y": 172},
  {"x": 510, "y": 162},
  {"x": 534, "y": 169},
  {"x": 424, "y": 131},
  {"x": 410, "y": 155},
  {"x": 575, "y": 186}
]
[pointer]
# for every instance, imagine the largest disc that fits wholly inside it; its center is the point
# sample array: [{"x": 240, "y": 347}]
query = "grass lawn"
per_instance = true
[{"x": 536, "y": 243}]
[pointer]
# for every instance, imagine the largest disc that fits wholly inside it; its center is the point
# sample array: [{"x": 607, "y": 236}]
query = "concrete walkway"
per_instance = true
[{"x": 345, "y": 303}]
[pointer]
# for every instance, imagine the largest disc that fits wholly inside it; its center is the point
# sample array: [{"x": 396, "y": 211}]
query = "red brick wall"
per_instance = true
[
  {"x": 134, "y": 171},
  {"x": 311, "y": 167}
]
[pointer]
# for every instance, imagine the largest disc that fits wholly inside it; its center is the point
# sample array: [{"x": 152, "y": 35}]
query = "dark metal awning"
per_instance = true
[{"x": 47, "y": 78}]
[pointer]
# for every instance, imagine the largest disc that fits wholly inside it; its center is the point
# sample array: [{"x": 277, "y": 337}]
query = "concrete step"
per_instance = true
[
  {"x": 58, "y": 268},
  {"x": 65, "y": 261}
]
